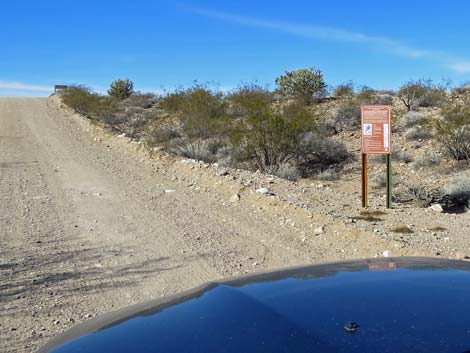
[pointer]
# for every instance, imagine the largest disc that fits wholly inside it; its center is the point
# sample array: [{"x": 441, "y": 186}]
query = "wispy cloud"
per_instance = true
[
  {"x": 19, "y": 86},
  {"x": 389, "y": 45}
]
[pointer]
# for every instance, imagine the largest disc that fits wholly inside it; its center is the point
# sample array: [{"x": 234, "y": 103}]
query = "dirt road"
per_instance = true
[{"x": 88, "y": 226}]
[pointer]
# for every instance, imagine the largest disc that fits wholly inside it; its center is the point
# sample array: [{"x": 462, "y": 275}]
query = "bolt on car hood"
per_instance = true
[{"x": 377, "y": 305}]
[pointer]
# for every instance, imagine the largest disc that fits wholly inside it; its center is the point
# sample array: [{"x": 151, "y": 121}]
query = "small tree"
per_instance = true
[
  {"x": 411, "y": 93},
  {"x": 302, "y": 84},
  {"x": 423, "y": 93},
  {"x": 121, "y": 89}
]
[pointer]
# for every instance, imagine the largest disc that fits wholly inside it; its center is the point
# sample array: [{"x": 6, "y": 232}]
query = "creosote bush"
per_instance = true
[
  {"x": 202, "y": 113},
  {"x": 271, "y": 137},
  {"x": 453, "y": 130},
  {"x": 422, "y": 93},
  {"x": 86, "y": 102},
  {"x": 344, "y": 90}
]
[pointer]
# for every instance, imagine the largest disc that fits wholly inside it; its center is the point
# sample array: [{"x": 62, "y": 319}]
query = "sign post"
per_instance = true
[{"x": 376, "y": 127}]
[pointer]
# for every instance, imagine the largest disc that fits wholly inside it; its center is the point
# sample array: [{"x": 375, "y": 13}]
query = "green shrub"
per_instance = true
[
  {"x": 250, "y": 99},
  {"x": 86, "y": 102},
  {"x": 453, "y": 130},
  {"x": 344, "y": 90},
  {"x": 202, "y": 113},
  {"x": 303, "y": 84},
  {"x": 270, "y": 137},
  {"x": 348, "y": 115},
  {"x": 422, "y": 93},
  {"x": 160, "y": 136},
  {"x": 121, "y": 89},
  {"x": 317, "y": 153},
  {"x": 366, "y": 95},
  {"x": 141, "y": 100}
]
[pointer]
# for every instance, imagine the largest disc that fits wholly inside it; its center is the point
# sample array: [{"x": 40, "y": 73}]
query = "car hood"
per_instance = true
[{"x": 399, "y": 305}]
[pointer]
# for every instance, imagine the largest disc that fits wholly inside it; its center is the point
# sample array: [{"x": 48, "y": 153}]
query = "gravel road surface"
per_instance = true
[{"x": 89, "y": 225}]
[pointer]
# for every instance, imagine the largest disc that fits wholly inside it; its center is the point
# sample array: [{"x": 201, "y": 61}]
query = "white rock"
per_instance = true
[
  {"x": 319, "y": 230},
  {"x": 235, "y": 198},
  {"x": 169, "y": 191},
  {"x": 263, "y": 191},
  {"x": 386, "y": 253},
  {"x": 437, "y": 208}
]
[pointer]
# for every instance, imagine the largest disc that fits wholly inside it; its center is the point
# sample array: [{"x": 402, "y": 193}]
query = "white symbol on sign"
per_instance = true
[{"x": 367, "y": 129}]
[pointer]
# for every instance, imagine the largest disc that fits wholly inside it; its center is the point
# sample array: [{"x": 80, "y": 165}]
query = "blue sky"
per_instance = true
[{"x": 163, "y": 44}]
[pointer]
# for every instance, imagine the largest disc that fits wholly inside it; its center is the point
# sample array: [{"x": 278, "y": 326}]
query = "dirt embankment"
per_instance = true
[{"x": 90, "y": 223}]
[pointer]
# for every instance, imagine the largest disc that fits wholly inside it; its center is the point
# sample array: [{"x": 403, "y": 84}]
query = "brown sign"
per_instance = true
[{"x": 376, "y": 124}]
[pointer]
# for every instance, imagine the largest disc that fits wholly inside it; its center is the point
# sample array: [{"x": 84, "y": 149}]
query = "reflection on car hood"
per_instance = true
[{"x": 397, "y": 305}]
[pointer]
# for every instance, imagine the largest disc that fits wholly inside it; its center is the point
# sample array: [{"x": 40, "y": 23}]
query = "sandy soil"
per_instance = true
[{"x": 90, "y": 223}]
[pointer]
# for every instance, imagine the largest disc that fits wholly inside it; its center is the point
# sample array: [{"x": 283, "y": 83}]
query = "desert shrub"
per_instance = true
[
  {"x": 344, "y": 90},
  {"x": 453, "y": 130},
  {"x": 411, "y": 93},
  {"x": 141, "y": 100},
  {"x": 201, "y": 150},
  {"x": 348, "y": 115},
  {"x": 272, "y": 137},
  {"x": 202, "y": 113},
  {"x": 414, "y": 118},
  {"x": 121, "y": 89},
  {"x": 402, "y": 156},
  {"x": 436, "y": 96},
  {"x": 317, "y": 153},
  {"x": 284, "y": 171},
  {"x": 86, "y": 102},
  {"x": 418, "y": 195},
  {"x": 418, "y": 133},
  {"x": 458, "y": 189},
  {"x": 250, "y": 99},
  {"x": 160, "y": 136},
  {"x": 379, "y": 181},
  {"x": 366, "y": 95},
  {"x": 227, "y": 156},
  {"x": 422, "y": 93},
  {"x": 303, "y": 84},
  {"x": 427, "y": 160},
  {"x": 130, "y": 120},
  {"x": 328, "y": 174},
  {"x": 382, "y": 99}
]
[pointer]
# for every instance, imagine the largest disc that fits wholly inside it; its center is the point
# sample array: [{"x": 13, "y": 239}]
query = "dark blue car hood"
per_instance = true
[{"x": 399, "y": 305}]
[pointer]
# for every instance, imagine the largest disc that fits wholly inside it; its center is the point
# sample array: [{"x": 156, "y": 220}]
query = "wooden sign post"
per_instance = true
[{"x": 376, "y": 127}]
